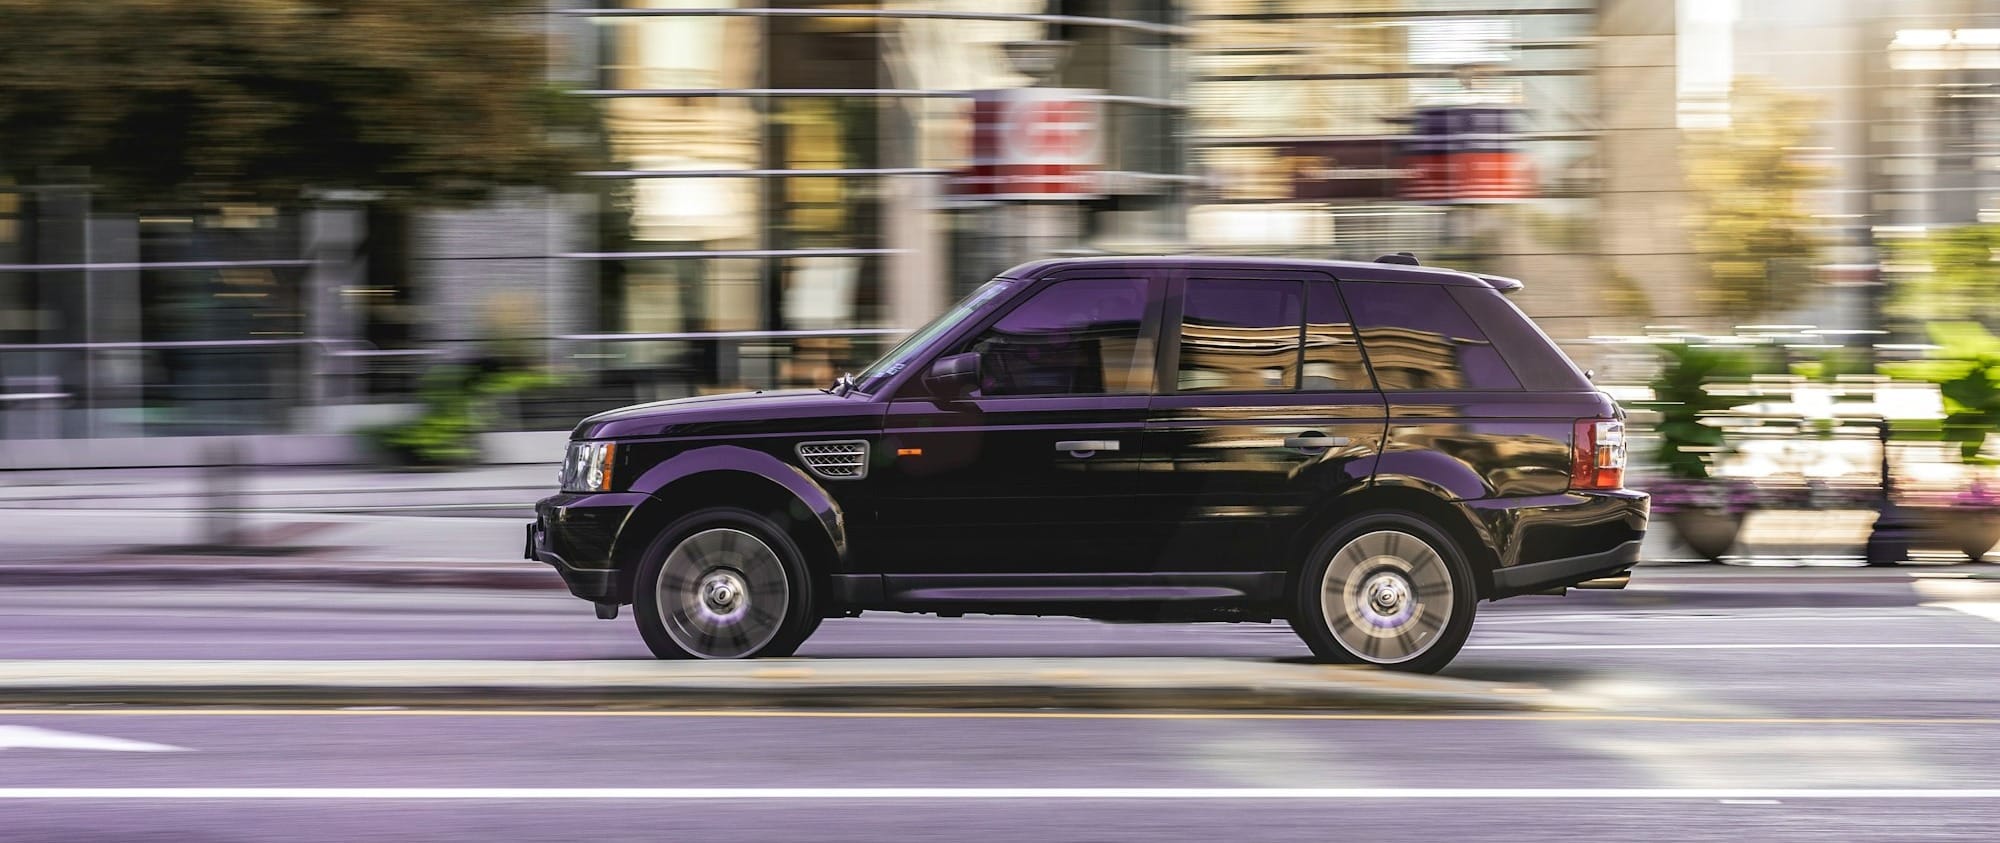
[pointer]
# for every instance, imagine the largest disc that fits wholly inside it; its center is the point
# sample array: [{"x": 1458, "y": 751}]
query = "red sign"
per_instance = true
[
  {"x": 1034, "y": 143},
  {"x": 1466, "y": 154}
]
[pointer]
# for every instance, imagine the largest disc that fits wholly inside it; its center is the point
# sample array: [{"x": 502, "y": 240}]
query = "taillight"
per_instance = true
[{"x": 1597, "y": 460}]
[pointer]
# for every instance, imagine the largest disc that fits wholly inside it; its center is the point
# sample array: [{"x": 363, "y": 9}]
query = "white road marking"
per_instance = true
[
  {"x": 1728, "y": 619},
  {"x": 1989, "y": 611},
  {"x": 989, "y": 793},
  {"x": 1733, "y": 646},
  {"x": 30, "y": 737}
]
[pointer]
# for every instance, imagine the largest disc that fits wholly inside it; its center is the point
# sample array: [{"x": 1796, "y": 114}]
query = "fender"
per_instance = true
[
  {"x": 1431, "y": 471},
  {"x": 734, "y": 459}
]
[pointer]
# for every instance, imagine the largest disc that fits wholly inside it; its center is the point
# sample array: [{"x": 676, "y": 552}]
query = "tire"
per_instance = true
[
  {"x": 1385, "y": 589},
  {"x": 723, "y": 584}
]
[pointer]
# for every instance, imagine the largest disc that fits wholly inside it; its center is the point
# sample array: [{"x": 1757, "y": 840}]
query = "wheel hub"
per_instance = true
[
  {"x": 723, "y": 591},
  {"x": 1387, "y": 600}
]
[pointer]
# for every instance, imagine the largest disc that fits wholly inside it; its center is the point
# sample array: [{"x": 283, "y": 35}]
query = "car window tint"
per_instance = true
[
  {"x": 1240, "y": 335},
  {"x": 1417, "y": 337},
  {"x": 1079, "y": 336},
  {"x": 1333, "y": 357}
]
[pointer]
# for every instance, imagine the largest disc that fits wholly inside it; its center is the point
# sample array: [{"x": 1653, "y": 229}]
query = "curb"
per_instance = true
[
  {"x": 950, "y": 684},
  {"x": 524, "y": 575}
]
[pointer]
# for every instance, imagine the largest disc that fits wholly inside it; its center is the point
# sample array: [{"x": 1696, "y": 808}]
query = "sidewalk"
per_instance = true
[{"x": 1145, "y": 683}]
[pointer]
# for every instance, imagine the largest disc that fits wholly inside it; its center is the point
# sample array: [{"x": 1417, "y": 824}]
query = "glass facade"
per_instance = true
[
  {"x": 788, "y": 168},
  {"x": 1354, "y": 129}
]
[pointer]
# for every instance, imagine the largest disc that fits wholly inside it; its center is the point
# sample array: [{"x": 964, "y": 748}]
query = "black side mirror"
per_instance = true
[{"x": 952, "y": 376}]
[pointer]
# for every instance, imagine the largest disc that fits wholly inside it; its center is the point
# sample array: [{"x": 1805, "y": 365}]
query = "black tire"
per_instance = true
[
  {"x": 739, "y": 584},
  {"x": 1402, "y": 608}
]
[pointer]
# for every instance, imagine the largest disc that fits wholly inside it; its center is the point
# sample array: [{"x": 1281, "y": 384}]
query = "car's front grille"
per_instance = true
[{"x": 844, "y": 460}]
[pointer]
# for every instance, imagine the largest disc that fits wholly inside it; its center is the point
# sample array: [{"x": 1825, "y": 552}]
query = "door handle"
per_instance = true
[
  {"x": 1314, "y": 442},
  {"x": 1081, "y": 448}
]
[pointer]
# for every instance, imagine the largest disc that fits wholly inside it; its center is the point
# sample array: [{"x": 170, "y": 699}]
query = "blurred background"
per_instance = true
[{"x": 395, "y": 233}]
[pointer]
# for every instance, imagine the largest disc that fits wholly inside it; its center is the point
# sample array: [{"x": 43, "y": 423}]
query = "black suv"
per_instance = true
[{"x": 1364, "y": 450}]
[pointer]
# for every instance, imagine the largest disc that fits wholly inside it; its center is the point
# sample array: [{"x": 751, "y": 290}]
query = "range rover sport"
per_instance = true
[{"x": 1363, "y": 450}]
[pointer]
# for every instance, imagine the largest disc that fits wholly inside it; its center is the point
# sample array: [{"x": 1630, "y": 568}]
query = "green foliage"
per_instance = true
[
  {"x": 458, "y": 405},
  {"x": 1966, "y": 369},
  {"x": 257, "y": 100},
  {"x": 1682, "y": 395},
  {"x": 1959, "y": 272},
  {"x": 1752, "y": 225}
]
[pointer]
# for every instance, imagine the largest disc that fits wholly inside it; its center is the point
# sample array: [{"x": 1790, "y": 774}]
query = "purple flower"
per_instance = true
[
  {"x": 1714, "y": 494},
  {"x": 1976, "y": 496}
]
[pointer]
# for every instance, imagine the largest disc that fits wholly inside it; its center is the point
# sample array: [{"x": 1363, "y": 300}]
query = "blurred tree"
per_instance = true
[
  {"x": 1750, "y": 225},
  {"x": 1948, "y": 273},
  {"x": 170, "y": 100}
]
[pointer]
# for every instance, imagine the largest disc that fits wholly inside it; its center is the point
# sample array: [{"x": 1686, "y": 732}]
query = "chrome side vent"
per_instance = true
[{"x": 843, "y": 460}]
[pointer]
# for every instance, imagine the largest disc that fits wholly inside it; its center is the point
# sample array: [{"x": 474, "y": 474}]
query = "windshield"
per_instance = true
[{"x": 879, "y": 372}]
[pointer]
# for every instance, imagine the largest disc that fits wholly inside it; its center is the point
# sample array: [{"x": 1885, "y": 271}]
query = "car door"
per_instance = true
[
  {"x": 1267, "y": 410},
  {"x": 1033, "y": 472}
]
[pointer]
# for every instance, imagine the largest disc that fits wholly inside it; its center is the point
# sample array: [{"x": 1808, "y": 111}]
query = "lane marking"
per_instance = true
[
  {"x": 1525, "y": 717},
  {"x": 991, "y": 793},
  {"x": 1735, "y": 646},
  {"x": 30, "y": 737}
]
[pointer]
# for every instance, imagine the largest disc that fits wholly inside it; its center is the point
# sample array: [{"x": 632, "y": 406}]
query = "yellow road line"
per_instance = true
[{"x": 1002, "y": 715}]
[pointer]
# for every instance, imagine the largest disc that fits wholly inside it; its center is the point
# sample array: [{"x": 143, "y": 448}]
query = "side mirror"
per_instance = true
[{"x": 952, "y": 376}]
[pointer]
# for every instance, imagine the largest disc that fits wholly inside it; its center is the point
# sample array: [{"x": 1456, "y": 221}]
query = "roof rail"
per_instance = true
[{"x": 1404, "y": 258}]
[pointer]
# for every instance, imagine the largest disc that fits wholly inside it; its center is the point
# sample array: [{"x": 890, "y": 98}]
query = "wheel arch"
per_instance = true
[
  {"x": 1399, "y": 495},
  {"x": 733, "y": 476}
]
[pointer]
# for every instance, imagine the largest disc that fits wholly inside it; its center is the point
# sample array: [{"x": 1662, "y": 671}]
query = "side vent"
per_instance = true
[{"x": 843, "y": 460}]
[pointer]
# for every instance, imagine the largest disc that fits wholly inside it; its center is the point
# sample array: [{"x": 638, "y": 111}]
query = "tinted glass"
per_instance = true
[
  {"x": 881, "y": 370},
  {"x": 1417, "y": 337},
  {"x": 1333, "y": 358},
  {"x": 1240, "y": 335},
  {"x": 1075, "y": 337},
  {"x": 1535, "y": 358}
]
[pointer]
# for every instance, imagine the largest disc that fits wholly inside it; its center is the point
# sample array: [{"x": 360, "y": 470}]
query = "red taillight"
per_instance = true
[{"x": 1597, "y": 460}]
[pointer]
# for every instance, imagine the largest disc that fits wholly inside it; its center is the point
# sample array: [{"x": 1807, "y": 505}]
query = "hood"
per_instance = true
[{"x": 776, "y": 411}]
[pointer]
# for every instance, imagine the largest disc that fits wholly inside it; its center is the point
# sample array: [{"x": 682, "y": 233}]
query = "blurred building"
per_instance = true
[
  {"x": 1534, "y": 139},
  {"x": 804, "y": 168}
]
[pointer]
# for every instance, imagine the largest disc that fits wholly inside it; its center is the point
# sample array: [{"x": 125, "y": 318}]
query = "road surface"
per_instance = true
[{"x": 1807, "y": 707}]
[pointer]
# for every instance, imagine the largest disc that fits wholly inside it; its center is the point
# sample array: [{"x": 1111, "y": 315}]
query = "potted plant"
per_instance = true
[
  {"x": 1707, "y": 513},
  {"x": 1972, "y": 525},
  {"x": 1965, "y": 366}
]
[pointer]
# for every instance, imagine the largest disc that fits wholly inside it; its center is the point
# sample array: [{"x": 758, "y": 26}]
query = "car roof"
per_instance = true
[{"x": 1345, "y": 270}]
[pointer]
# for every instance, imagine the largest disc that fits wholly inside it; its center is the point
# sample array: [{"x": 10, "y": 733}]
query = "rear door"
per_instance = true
[{"x": 1266, "y": 409}]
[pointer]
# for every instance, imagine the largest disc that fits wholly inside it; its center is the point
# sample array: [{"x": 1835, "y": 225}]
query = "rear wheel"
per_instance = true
[
  {"x": 724, "y": 584},
  {"x": 1386, "y": 589}
]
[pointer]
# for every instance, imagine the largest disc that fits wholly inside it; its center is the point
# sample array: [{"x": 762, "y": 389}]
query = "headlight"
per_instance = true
[{"x": 587, "y": 467}]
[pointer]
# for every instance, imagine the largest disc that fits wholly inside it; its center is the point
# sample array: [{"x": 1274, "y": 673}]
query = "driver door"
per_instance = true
[{"x": 1035, "y": 471}]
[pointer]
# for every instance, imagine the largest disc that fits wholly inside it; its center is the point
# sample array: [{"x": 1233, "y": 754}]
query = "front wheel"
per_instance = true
[
  {"x": 1389, "y": 590},
  {"x": 723, "y": 584}
]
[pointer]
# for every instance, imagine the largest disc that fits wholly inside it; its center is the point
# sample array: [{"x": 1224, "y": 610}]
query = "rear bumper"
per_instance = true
[
  {"x": 1557, "y": 541},
  {"x": 1561, "y": 573}
]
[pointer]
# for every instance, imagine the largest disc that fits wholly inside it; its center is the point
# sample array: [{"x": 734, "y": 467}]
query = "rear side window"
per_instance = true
[
  {"x": 1417, "y": 337},
  {"x": 1079, "y": 336},
  {"x": 1534, "y": 357},
  {"x": 1240, "y": 335}
]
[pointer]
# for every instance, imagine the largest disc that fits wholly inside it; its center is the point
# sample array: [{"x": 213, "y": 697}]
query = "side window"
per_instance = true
[
  {"x": 1417, "y": 337},
  {"x": 1333, "y": 357},
  {"x": 1240, "y": 335},
  {"x": 1079, "y": 336}
]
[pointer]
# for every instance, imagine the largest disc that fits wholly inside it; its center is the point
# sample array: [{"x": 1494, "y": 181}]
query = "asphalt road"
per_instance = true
[{"x": 1789, "y": 708}]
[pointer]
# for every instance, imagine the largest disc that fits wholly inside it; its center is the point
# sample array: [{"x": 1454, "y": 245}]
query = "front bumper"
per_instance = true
[{"x": 575, "y": 534}]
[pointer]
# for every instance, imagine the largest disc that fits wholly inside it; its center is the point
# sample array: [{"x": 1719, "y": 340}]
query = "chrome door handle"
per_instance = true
[
  {"x": 1081, "y": 448},
  {"x": 1314, "y": 442}
]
